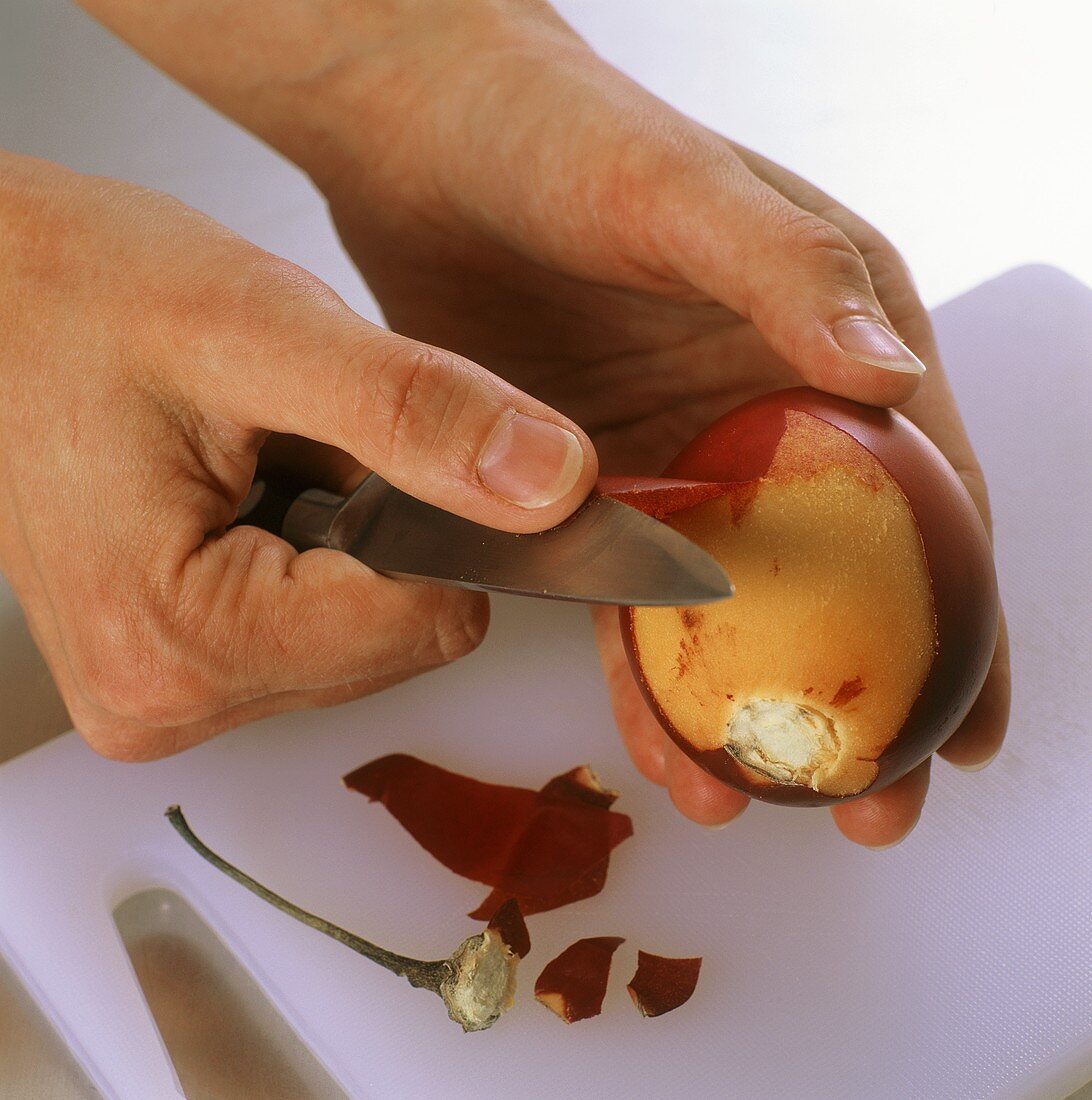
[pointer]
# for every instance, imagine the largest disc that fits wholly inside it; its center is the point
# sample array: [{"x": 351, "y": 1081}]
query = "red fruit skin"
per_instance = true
[
  {"x": 574, "y": 984},
  {"x": 740, "y": 447},
  {"x": 658, "y": 497},
  {"x": 544, "y": 848},
  {"x": 662, "y": 984},
  {"x": 509, "y": 924}
]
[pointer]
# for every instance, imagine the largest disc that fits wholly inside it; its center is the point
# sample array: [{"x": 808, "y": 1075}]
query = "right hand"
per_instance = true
[
  {"x": 146, "y": 353},
  {"x": 638, "y": 271}
]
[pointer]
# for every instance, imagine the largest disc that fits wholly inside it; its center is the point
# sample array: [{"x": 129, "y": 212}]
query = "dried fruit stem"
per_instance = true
[{"x": 423, "y": 975}]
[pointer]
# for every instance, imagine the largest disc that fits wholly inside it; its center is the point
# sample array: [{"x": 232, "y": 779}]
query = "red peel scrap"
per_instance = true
[
  {"x": 574, "y": 984},
  {"x": 662, "y": 984},
  {"x": 659, "y": 497},
  {"x": 543, "y": 848},
  {"x": 509, "y": 924}
]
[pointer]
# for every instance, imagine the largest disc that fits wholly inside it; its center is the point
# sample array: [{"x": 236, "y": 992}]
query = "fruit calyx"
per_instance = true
[{"x": 789, "y": 742}]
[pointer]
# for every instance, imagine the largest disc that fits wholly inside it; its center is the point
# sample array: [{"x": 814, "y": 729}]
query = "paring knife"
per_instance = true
[{"x": 605, "y": 553}]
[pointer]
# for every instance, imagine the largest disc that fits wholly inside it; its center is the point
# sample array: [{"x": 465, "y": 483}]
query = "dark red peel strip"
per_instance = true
[
  {"x": 509, "y": 924},
  {"x": 544, "y": 848},
  {"x": 574, "y": 984},
  {"x": 661, "y": 984},
  {"x": 660, "y": 496},
  {"x": 582, "y": 785},
  {"x": 586, "y": 885}
]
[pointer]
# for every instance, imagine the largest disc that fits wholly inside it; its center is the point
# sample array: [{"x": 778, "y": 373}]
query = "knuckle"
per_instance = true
[
  {"x": 247, "y": 295},
  {"x": 881, "y": 257},
  {"x": 139, "y": 670},
  {"x": 272, "y": 277},
  {"x": 819, "y": 243},
  {"x": 888, "y": 270},
  {"x": 269, "y": 288},
  {"x": 658, "y": 158},
  {"x": 400, "y": 394}
]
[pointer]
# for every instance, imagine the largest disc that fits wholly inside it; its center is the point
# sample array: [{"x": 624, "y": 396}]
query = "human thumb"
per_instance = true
[
  {"x": 434, "y": 424},
  {"x": 797, "y": 277}
]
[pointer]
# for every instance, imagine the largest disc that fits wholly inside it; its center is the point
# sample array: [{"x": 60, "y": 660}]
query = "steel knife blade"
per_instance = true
[{"x": 605, "y": 553}]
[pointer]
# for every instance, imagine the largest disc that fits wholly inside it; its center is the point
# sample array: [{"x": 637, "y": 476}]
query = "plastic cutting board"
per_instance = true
[{"x": 957, "y": 965}]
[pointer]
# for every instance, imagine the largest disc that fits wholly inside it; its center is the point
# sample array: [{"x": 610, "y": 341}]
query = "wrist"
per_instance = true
[
  {"x": 375, "y": 109},
  {"x": 314, "y": 79}
]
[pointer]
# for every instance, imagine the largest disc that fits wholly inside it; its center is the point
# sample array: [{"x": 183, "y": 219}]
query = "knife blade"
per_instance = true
[{"x": 605, "y": 553}]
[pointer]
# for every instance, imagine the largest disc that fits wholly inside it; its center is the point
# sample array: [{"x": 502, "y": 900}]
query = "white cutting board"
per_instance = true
[{"x": 957, "y": 965}]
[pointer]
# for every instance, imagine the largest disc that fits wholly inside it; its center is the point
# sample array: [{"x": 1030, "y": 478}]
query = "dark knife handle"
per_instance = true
[{"x": 286, "y": 507}]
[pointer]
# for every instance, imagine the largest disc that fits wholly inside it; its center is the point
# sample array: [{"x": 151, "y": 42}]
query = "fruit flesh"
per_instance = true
[{"x": 808, "y": 674}]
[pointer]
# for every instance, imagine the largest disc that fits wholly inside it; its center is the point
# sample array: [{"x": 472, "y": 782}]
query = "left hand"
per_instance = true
[{"x": 549, "y": 218}]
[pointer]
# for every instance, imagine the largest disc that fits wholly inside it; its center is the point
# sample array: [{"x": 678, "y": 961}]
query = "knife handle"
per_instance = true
[{"x": 276, "y": 504}]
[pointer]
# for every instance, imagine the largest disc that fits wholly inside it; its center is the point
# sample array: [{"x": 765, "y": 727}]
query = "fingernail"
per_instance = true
[
  {"x": 872, "y": 342},
  {"x": 530, "y": 462},
  {"x": 976, "y": 767}
]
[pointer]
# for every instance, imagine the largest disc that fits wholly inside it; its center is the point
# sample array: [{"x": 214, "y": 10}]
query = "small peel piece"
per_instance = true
[
  {"x": 580, "y": 786},
  {"x": 659, "y": 497},
  {"x": 543, "y": 848},
  {"x": 573, "y": 985},
  {"x": 662, "y": 984},
  {"x": 509, "y": 924}
]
